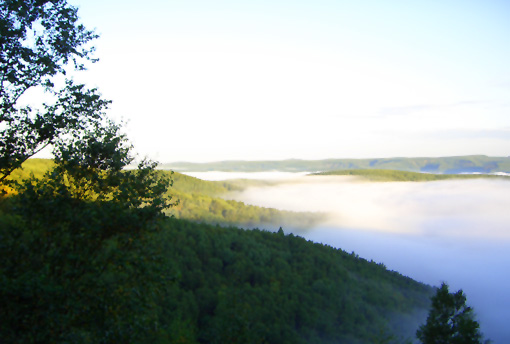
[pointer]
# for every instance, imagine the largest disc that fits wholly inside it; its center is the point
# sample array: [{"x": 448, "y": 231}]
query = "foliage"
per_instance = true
[
  {"x": 214, "y": 210},
  {"x": 64, "y": 280},
  {"x": 191, "y": 185},
  {"x": 200, "y": 200},
  {"x": 402, "y": 176},
  {"x": 33, "y": 167},
  {"x": 41, "y": 42},
  {"x": 238, "y": 286},
  {"x": 74, "y": 239},
  {"x": 70, "y": 272},
  {"x": 450, "y": 320},
  {"x": 73, "y": 245}
]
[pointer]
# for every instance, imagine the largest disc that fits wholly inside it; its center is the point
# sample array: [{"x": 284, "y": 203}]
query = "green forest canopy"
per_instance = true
[{"x": 199, "y": 283}]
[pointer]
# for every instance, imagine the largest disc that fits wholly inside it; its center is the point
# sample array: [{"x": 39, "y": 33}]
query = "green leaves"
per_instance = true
[
  {"x": 252, "y": 286},
  {"x": 450, "y": 320},
  {"x": 38, "y": 40},
  {"x": 74, "y": 242},
  {"x": 72, "y": 261}
]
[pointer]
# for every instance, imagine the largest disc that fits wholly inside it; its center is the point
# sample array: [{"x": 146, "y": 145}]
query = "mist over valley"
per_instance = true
[{"x": 455, "y": 231}]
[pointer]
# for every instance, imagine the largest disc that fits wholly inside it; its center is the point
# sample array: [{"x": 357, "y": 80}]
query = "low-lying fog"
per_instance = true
[{"x": 453, "y": 231}]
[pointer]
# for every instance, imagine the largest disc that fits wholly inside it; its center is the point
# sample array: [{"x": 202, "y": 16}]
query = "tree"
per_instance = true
[
  {"x": 450, "y": 320},
  {"x": 76, "y": 263},
  {"x": 41, "y": 42}
]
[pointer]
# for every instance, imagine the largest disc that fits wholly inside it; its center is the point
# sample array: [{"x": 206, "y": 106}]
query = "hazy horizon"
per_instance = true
[{"x": 368, "y": 157}]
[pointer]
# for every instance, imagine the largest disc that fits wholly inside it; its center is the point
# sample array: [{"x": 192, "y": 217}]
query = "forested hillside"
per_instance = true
[
  {"x": 199, "y": 283},
  {"x": 200, "y": 201},
  {"x": 404, "y": 176},
  {"x": 448, "y": 165},
  {"x": 184, "y": 282},
  {"x": 235, "y": 286}
]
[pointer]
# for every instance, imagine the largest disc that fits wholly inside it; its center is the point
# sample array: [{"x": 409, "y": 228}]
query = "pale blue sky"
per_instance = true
[{"x": 219, "y": 80}]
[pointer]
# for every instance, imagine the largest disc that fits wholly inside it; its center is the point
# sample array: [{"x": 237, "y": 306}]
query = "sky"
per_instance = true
[{"x": 267, "y": 80}]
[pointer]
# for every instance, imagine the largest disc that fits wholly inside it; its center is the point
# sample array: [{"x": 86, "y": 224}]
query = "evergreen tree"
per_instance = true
[{"x": 450, "y": 320}]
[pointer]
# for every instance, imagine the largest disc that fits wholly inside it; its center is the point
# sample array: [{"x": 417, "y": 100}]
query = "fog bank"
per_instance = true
[{"x": 455, "y": 231}]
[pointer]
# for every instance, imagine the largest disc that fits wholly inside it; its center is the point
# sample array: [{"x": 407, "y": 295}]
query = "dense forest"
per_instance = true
[
  {"x": 185, "y": 282},
  {"x": 199, "y": 283},
  {"x": 237, "y": 286},
  {"x": 446, "y": 165}
]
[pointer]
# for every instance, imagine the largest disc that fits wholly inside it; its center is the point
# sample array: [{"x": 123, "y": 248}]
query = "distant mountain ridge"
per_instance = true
[{"x": 446, "y": 165}]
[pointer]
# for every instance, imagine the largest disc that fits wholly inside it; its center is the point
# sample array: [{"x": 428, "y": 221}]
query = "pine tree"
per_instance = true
[{"x": 450, "y": 320}]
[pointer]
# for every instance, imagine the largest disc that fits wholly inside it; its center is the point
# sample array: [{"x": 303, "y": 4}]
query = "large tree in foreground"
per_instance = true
[
  {"x": 450, "y": 320},
  {"x": 41, "y": 43},
  {"x": 74, "y": 243}
]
